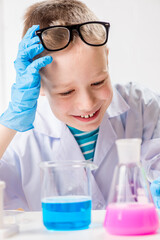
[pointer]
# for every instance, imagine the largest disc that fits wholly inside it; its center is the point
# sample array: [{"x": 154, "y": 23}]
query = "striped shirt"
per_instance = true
[{"x": 86, "y": 141}]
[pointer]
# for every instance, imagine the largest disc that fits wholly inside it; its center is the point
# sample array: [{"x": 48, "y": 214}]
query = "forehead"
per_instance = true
[{"x": 77, "y": 60}]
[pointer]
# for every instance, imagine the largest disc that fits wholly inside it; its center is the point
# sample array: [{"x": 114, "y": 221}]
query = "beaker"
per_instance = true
[
  {"x": 66, "y": 194},
  {"x": 130, "y": 209}
]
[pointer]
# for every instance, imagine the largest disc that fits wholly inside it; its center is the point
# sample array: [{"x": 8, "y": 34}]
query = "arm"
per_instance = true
[
  {"x": 145, "y": 121},
  {"x": 21, "y": 111},
  {"x": 7, "y": 135},
  {"x": 151, "y": 150}
]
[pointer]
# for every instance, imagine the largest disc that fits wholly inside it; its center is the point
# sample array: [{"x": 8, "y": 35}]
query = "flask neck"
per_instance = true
[{"x": 128, "y": 150}]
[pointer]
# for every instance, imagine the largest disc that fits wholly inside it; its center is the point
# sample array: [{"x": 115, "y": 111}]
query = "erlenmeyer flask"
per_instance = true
[{"x": 130, "y": 209}]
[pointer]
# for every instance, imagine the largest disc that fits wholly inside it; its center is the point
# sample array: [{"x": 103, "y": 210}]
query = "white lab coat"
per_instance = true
[{"x": 133, "y": 113}]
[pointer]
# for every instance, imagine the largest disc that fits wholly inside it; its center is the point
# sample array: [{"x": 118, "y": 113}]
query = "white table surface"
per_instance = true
[{"x": 31, "y": 227}]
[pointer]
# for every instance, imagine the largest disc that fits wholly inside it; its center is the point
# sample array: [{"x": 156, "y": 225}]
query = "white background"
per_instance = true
[{"x": 134, "y": 40}]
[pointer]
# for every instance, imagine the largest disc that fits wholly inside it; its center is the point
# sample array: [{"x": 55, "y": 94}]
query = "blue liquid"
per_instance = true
[{"x": 66, "y": 213}]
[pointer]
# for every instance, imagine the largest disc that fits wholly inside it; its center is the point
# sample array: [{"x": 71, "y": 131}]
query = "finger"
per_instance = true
[
  {"x": 25, "y": 58},
  {"x": 29, "y": 53},
  {"x": 31, "y": 32},
  {"x": 28, "y": 42},
  {"x": 31, "y": 77},
  {"x": 33, "y": 41},
  {"x": 155, "y": 188},
  {"x": 39, "y": 63}
]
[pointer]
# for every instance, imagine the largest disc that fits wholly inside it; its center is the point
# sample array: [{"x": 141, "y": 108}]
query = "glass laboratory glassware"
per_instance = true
[
  {"x": 66, "y": 194},
  {"x": 130, "y": 209},
  {"x": 7, "y": 229}
]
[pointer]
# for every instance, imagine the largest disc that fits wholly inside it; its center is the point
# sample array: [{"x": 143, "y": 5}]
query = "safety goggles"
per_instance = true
[{"x": 58, "y": 37}]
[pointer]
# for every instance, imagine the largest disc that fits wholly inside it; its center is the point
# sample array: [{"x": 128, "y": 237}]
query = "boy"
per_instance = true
[{"x": 82, "y": 114}]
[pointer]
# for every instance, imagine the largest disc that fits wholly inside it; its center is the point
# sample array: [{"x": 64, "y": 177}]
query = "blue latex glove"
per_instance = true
[
  {"x": 21, "y": 111},
  {"x": 155, "y": 191}
]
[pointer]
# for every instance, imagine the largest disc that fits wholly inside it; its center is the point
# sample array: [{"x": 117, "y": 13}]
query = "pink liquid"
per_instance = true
[{"x": 131, "y": 219}]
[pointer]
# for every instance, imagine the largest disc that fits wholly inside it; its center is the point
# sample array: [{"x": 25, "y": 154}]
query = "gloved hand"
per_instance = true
[
  {"x": 21, "y": 111},
  {"x": 155, "y": 191}
]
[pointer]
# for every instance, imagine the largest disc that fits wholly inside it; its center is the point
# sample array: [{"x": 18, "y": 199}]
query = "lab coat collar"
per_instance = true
[
  {"x": 118, "y": 105},
  {"x": 68, "y": 148},
  {"x": 46, "y": 123}
]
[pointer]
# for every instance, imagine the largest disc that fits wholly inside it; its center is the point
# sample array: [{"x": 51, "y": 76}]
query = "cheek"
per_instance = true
[
  {"x": 58, "y": 105},
  {"x": 106, "y": 93}
]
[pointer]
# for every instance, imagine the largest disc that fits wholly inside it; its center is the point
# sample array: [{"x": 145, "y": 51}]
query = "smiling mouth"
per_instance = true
[{"x": 88, "y": 117}]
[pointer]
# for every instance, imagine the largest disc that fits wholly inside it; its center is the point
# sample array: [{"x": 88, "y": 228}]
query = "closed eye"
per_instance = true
[
  {"x": 97, "y": 83},
  {"x": 66, "y": 93}
]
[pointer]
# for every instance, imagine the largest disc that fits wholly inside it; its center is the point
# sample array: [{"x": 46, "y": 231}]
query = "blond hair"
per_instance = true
[{"x": 54, "y": 12}]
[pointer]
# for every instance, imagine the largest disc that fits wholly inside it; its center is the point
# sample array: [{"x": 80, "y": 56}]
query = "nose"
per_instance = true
[{"x": 85, "y": 101}]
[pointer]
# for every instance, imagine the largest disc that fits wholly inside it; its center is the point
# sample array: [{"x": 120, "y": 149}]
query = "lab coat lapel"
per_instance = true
[
  {"x": 107, "y": 135},
  {"x": 68, "y": 148},
  {"x": 106, "y": 138}
]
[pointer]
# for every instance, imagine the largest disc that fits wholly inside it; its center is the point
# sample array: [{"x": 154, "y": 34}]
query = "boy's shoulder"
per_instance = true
[{"x": 133, "y": 92}]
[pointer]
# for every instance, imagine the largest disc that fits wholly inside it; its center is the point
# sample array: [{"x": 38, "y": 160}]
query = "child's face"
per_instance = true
[{"x": 77, "y": 85}]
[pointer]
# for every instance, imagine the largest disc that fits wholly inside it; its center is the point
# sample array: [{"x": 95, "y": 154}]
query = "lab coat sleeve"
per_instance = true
[
  {"x": 150, "y": 152},
  {"x": 143, "y": 121}
]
